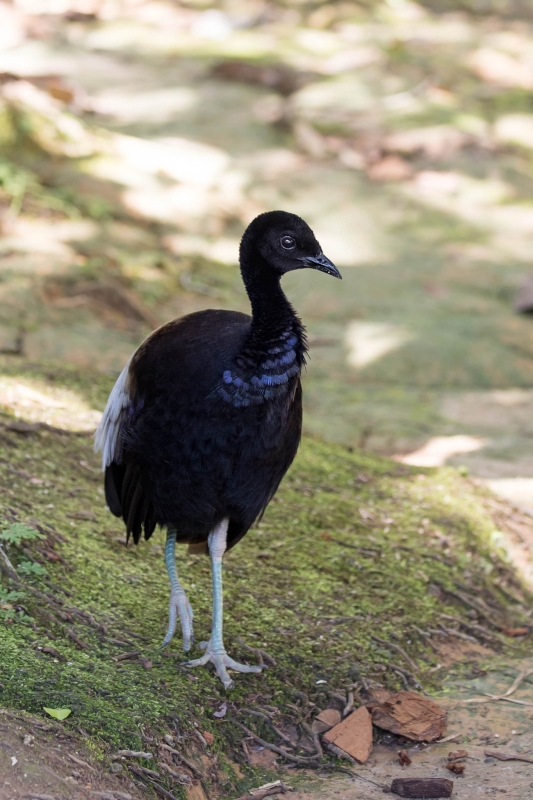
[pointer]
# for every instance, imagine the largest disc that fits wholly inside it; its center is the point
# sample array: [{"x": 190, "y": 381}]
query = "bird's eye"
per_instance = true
[{"x": 287, "y": 242}]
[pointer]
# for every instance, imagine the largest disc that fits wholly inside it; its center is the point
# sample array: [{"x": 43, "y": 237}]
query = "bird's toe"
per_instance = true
[
  {"x": 179, "y": 607},
  {"x": 222, "y": 662}
]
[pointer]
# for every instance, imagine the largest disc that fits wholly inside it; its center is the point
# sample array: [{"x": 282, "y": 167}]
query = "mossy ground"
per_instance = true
[{"x": 348, "y": 535}]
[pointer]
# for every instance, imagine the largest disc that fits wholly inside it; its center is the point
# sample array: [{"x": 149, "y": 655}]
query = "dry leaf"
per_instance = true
[
  {"x": 353, "y": 735},
  {"x": 411, "y": 715},
  {"x": 403, "y": 758}
]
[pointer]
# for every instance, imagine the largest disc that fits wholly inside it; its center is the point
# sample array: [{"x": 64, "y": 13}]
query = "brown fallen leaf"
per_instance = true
[
  {"x": 208, "y": 736},
  {"x": 456, "y": 768},
  {"x": 403, "y": 758},
  {"x": 353, "y": 735},
  {"x": 409, "y": 714}
]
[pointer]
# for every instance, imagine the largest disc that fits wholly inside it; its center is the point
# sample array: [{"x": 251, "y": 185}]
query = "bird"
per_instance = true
[{"x": 206, "y": 417}]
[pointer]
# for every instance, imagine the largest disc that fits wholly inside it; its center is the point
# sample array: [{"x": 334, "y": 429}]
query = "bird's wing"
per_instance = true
[{"x": 107, "y": 439}]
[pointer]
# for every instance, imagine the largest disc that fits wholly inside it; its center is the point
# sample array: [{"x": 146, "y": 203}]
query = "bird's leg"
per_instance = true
[
  {"x": 214, "y": 648},
  {"x": 179, "y": 605}
]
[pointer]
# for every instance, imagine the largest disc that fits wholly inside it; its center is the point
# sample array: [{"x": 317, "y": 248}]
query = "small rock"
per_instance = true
[
  {"x": 353, "y": 735},
  {"x": 116, "y": 767}
]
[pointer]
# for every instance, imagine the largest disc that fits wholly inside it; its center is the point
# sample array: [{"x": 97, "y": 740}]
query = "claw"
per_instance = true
[
  {"x": 179, "y": 606},
  {"x": 222, "y": 662}
]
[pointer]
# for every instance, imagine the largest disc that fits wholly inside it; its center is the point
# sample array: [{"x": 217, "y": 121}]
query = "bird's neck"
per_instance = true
[{"x": 272, "y": 313}]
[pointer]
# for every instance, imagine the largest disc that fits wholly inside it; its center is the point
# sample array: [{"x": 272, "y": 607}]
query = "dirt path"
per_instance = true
[
  {"x": 497, "y": 726},
  {"x": 42, "y": 760}
]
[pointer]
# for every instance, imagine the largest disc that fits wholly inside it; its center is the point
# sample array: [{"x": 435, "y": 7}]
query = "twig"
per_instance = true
[
  {"x": 40, "y": 796},
  {"x": 143, "y": 771},
  {"x": 9, "y": 565},
  {"x": 246, "y": 752},
  {"x": 269, "y": 722},
  {"x": 79, "y": 762},
  {"x": 475, "y": 603},
  {"x": 402, "y": 678},
  {"x": 182, "y": 777},
  {"x": 487, "y": 698},
  {"x": 339, "y": 753},
  {"x": 162, "y": 791},
  {"x": 187, "y": 763},
  {"x": 340, "y": 620},
  {"x": 479, "y": 629},
  {"x": 314, "y": 736},
  {"x": 274, "y": 748},
  {"x": 398, "y": 650},
  {"x": 134, "y": 754},
  {"x": 508, "y": 756},
  {"x": 427, "y": 636},
  {"x": 82, "y": 645},
  {"x": 349, "y": 704},
  {"x": 408, "y": 675},
  {"x": 451, "y": 738},
  {"x": 452, "y": 632},
  {"x": 267, "y": 790},
  {"x": 262, "y": 655}
]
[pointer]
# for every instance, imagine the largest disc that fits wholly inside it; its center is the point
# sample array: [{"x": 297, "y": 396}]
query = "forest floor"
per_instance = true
[{"x": 137, "y": 141}]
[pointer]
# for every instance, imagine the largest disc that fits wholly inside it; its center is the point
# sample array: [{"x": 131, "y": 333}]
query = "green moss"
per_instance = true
[{"x": 347, "y": 535}]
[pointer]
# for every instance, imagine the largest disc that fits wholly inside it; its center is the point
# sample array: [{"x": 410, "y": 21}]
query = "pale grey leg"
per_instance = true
[
  {"x": 179, "y": 605},
  {"x": 214, "y": 648}
]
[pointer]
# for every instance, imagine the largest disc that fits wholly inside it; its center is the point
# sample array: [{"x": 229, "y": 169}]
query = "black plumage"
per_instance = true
[
  {"x": 206, "y": 418},
  {"x": 192, "y": 450}
]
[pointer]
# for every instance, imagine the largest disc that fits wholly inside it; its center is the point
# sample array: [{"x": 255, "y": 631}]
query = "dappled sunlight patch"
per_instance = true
[
  {"x": 501, "y": 69},
  {"x": 36, "y": 401},
  {"x": 515, "y": 129},
  {"x": 224, "y": 250},
  {"x": 436, "y": 451},
  {"x": 159, "y": 104},
  {"x": 510, "y": 409},
  {"x": 369, "y": 341},
  {"x": 515, "y": 490},
  {"x": 27, "y": 234}
]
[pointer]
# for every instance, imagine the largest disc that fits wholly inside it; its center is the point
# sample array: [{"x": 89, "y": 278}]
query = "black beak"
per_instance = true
[{"x": 321, "y": 263}]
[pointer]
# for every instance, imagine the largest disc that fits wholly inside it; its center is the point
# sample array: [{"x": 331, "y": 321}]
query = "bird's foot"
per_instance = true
[
  {"x": 221, "y": 661},
  {"x": 179, "y": 606}
]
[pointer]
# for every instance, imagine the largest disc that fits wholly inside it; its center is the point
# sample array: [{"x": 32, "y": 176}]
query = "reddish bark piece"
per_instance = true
[
  {"x": 411, "y": 715},
  {"x": 515, "y": 631},
  {"x": 455, "y": 755},
  {"x": 403, "y": 758},
  {"x": 456, "y": 768},
  {"x": 422, "y": 787},
  {"x": 353, "y": 735},
  {"x": 326, "y": 720}
]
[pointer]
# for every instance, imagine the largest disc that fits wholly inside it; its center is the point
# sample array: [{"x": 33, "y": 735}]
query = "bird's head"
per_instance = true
[{"x": 285, "y": 243}]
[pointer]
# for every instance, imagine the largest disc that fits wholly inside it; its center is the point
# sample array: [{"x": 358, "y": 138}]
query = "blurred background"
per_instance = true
[{"x": 139, "y": 137}]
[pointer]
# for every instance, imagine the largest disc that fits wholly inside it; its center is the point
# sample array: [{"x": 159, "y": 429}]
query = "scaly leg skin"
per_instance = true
[
  {"x": 179, "y": 605},
  {"x": 215, "y": 652}
]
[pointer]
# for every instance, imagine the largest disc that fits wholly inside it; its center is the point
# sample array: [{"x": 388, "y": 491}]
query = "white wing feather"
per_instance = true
[{"x": 107, "y": 433}]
